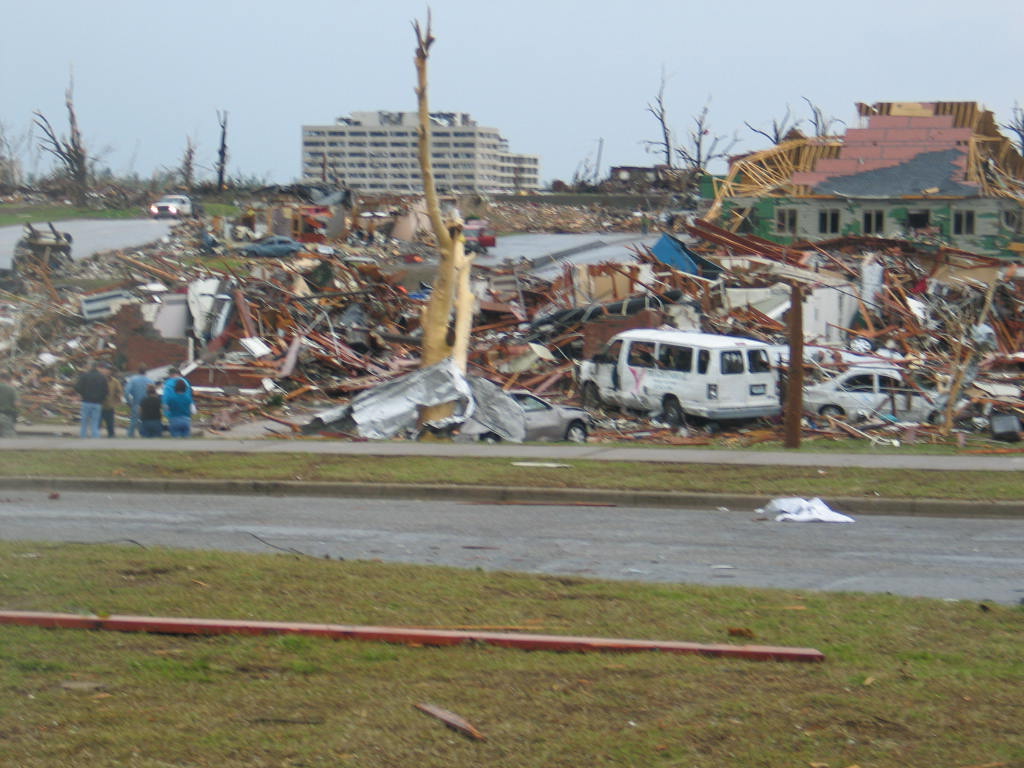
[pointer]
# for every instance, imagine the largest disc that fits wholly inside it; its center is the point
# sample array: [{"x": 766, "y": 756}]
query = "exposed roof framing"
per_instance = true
[
  {"x": 770, "y": 171},
  {"x": 993, "y": 162}
]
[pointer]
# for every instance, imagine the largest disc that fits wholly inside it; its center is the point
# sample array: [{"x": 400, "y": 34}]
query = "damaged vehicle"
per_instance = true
[
  {"x": 683, "y": 374},
  {"x": 876, "y": 391},
  {"x": 544, "y": 421}
]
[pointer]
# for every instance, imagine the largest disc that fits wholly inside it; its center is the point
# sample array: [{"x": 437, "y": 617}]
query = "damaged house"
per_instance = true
[{"x": 928, "y": 171}]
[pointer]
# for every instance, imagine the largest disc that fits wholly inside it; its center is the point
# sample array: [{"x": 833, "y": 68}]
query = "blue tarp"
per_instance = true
[{"x": 673, "y": 252}]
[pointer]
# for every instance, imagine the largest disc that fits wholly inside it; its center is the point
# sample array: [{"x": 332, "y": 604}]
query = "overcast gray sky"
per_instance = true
[{"x": 554, "y": 76}]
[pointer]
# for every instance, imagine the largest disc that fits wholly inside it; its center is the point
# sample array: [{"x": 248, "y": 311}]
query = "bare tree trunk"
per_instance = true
[
  {"x": 222, "y": 153},
  {"x": 187, "y": 171},
  {"x": 442, "y": 337},
  {"x": 71, "y": 152},
  {"x": 660, "y": 114}
]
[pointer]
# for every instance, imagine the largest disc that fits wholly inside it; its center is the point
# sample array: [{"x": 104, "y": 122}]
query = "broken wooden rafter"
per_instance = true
[
  {"x": 452, "y": 720},
  {"x": 402, "y": 635}
]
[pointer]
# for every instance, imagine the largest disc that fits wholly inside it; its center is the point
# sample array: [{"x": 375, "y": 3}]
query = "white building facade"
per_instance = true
[{"x": 377, "y": 153}]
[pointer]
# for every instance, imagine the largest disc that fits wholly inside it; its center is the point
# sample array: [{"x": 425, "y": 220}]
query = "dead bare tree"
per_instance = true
[
  {"x": 187, "y": 169},
  {"x": 780, "y": 130},
  {"x": 1016, "y": 126},
  {"x": 821, "y": 123},
  {"x": 657, "y": 108},
  {"x": 70, "y": 152},
  {"x": 222, "y": 153},
  {"x": 702, "y": 147},
  {"x": 11, "y": 149}
]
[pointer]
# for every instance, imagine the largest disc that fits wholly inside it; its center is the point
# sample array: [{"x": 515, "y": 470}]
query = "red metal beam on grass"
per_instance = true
[{"x": 402, "y": 635}]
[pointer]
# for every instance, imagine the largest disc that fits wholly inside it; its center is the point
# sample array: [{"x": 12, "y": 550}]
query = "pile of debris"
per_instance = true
[{"x": 282, "y": 339}]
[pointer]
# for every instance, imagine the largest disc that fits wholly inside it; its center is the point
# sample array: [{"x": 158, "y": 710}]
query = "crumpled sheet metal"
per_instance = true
[
  {"x": 393, "y": 408},
  {"x": 496, "y": 411}
]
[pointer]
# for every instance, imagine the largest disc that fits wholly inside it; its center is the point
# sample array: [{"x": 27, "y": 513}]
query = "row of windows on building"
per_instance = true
[
  {"x": 872, "y": 221},
  {"x": 435, "y": 134}
]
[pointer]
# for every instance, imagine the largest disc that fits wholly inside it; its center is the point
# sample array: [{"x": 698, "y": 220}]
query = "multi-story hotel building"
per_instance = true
[{"x": 377, "y": 152}]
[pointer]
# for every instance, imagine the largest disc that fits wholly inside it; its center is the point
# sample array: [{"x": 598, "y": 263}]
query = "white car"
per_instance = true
[
  {"x": 864, "y": 392},
  {"x": 171, "y": 207}
]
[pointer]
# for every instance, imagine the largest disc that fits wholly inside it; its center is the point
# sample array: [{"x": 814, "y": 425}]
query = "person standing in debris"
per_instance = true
[
  {"x": 135, "y": 390},
  {"x": 8, "y": 405},
  {"x": 151, "y": 409},
  {"x": 173, "y": 377},
  {"x": 115, "y": 393},
  {"x": 178, "y": 407},
  {"x": 92, "y": 387}
]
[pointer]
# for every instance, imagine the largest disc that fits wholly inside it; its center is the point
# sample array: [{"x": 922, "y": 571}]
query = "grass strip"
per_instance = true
[
  {"x": 685, "y": 478},
  {"x": 906, "y": 681}
]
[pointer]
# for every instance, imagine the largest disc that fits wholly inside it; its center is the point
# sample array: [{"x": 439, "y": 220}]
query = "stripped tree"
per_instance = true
[
  {"x": 187, "y": 169},
  {"x": 443, "y": 335},
  {"x": 820, "y": 122},
  {"x": 70, "y": 151},
  {"x": 658, "y": 109},
  {"x": 11, "y": 149},
  {"x": 780, "y": 130},
  {"x": 222, "y": 153},
  {"x": 702, "y": 147},
  {"x": 1016, "y": 126}
]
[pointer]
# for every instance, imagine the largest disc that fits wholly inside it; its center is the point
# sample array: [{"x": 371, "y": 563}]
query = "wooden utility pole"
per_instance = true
[{"x": 795, "y": 378}]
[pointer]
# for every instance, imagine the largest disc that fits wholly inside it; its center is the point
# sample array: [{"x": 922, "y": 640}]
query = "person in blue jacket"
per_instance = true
[{"x": 178, "y": 408}]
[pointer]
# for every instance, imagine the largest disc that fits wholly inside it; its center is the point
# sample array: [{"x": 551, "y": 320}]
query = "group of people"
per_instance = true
[{"x": 101, "y": 392}]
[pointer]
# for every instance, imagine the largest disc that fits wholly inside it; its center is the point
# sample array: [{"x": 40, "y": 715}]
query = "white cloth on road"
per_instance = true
[{"x": 797, "y": 510}]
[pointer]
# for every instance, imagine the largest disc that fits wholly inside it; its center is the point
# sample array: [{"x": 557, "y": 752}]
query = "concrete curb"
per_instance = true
[{"x": 491, "y": 494}]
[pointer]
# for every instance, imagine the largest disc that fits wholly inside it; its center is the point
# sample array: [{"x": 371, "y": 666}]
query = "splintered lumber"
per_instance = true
[
  {"x": 402, "y": 635},
  {"x": 452, "y": 720}
]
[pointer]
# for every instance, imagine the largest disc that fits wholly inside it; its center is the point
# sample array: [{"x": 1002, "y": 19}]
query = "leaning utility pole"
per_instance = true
[
  {"x": 795, "y": 377},
  {"x": 442, "y": 336}
]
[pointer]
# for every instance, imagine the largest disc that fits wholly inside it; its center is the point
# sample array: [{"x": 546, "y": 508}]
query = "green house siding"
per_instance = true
[{"x": 986, "y": 226}]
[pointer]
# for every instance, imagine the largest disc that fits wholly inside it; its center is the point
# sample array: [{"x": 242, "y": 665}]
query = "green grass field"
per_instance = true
[
  {"x": 683, "y": 478},
  {"x": 907, "y": 682}
]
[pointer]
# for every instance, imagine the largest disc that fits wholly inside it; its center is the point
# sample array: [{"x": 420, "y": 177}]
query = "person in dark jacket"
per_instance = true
[
  {"x": 92, "y": 386},
  {"x": 178, "y": 407},
  {"x": 8, "y": 405},
  {"x": 151, "y": 414}
]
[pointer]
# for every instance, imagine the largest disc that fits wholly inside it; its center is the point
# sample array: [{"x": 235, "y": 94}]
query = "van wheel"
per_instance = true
[
  {"x": 832, "y": 410},
  {"x": 673, "y": 412},
  {"x": 590, "y": 396},
  {"x": 576, "y": 433}
]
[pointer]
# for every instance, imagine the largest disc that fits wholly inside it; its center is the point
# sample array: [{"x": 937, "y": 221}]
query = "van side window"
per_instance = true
[
  {"x": 864, "y": 382},
  {"x": 676, "y": 358},
  {"x": 892, "y": 384},
  {"x": 641, "y": 355},
  {"x": 703, "y": 358},
  {"x": 732, "y": 361},
  {"x": 757, "y": 361},
  {"x": 609, "y": 354}
]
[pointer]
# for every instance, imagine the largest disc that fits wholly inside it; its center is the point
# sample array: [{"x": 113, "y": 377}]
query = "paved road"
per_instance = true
[
  {"x": 92, "y": 235},
  {"x": 940, "y": 558}
]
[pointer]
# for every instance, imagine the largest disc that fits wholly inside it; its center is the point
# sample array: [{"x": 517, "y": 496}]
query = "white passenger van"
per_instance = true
[{"x": 683, "y": 373}]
